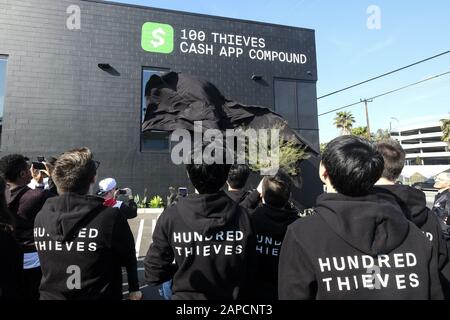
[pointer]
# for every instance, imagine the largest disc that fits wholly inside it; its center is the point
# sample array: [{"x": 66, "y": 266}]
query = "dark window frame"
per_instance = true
[
  {"x": 3, "y": 57},
  {"x": 141, "y": 149},
  {"x": 297, "y": 81}
]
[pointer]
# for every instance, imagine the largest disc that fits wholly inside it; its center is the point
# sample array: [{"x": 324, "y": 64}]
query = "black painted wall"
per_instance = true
[{"x": 57, "y": 98}]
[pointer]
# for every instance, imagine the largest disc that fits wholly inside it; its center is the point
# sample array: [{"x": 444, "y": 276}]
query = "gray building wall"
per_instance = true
[{"x": 57, "y": 98}]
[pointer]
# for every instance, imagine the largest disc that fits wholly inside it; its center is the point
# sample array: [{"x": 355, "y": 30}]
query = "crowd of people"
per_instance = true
[{"x": 367, "y": 237}]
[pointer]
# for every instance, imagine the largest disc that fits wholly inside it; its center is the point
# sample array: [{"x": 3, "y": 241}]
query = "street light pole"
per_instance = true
[{"x": 369, "y": 136}]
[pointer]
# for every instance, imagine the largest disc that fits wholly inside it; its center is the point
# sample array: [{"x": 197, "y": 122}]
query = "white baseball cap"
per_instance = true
[{"x": 106, "y": 185}]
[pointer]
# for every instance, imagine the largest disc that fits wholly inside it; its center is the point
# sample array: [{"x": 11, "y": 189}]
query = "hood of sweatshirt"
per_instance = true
[
  {"x": 65, "y": 215},
  {"x": 373, "y": 224},
  {"x": 278, "y": 214},
  {"x": 207, "y": 212},
  {"x": 236, "y": 196},
  {"x": 412, "y": 200}
]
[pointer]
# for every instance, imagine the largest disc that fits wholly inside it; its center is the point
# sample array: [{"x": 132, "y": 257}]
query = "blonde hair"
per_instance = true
[{"x": 74, "y": 171}]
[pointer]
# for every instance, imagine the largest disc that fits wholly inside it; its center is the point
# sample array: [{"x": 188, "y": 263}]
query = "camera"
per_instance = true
[
  {"x": 38, "y": 166},
  {"x": 122, "y": 191},
  {"x": 182, "y": 192}
]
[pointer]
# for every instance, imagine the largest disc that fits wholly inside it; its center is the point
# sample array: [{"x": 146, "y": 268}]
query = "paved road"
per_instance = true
[
  {"x": 142, "y": 227},
  {"x": 149, "y": 293}
]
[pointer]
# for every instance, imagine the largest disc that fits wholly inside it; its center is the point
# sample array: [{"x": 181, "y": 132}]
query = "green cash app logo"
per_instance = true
[{"x": 157, "y": 37}]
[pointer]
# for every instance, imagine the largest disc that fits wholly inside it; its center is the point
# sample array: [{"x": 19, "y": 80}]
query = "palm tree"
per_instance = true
[
  {"x": 344, "y": 121},
  {"x": 445, "y": 125}
]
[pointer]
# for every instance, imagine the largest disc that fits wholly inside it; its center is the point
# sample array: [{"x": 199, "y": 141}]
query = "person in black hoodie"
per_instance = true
[
  {"x": 82, "y": 244},
  {"x": 441, "y": 206},
  {"x": 237, "y": 178},
  {"x": 11, "y": 256},
  {"x": 24, "y": 204},
  {"x": 358, "y": 245},
  {"x": 270, "y": 222},
  {"x": 413, "y": 202},
  {"x": 209, "y": 236}
]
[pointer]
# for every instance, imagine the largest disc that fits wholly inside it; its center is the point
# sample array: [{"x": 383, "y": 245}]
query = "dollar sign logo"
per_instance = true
[{"x": 158, "y": 38}]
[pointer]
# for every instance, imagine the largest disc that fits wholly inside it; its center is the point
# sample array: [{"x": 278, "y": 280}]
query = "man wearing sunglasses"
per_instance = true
[{"x": 82, "y": 244}]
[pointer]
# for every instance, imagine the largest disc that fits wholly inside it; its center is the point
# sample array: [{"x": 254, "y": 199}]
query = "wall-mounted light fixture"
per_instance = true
[
  {"x": 256, "y": 77},
  {"x": 104, "y": 66},
  {"x": 109, "y": 69}
]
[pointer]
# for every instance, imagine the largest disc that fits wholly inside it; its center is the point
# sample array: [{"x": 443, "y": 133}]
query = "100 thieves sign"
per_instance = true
[{"x": 159, "y": 38}]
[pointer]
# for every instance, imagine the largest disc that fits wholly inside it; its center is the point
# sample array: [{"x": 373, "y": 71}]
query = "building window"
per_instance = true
[
  {"x": 152, "y": 140},
  {"x": 2, "y": 90},
  {"x": 287, "y": 100}
]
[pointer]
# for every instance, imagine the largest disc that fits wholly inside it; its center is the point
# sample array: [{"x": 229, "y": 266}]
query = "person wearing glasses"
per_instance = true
[
  {"x": 83, "y": 244},
  {"x": 24, "y": 204}
]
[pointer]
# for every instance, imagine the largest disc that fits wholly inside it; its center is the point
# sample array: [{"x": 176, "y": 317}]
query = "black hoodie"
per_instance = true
[
  {"x": 246, "y": 199},
  {"x": 270, "y": 227},
  {"x": 25, "y": 204},
  {"x": 212, "y": 241},
  {"x": 414, "y": 205},
  {"x": 11, "y": 264},
  {"x": 357, "y": 248},
  {"x": 78, "y": 238}
]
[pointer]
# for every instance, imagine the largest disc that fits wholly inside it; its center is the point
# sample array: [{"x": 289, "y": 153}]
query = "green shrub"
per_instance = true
[{"x": 156, "y": 202}]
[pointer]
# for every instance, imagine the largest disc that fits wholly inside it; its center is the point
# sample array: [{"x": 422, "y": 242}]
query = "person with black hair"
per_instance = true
[
  {"x": 24, "y": 204},
  {"x": 11, "y": 256},
  {"x": 83, "y": 244},
  {"x": 237, "y": 178},
  {"x": 270, "y": 222},
  {"x": 358, "y": 244},
  {"x": 413, "y": 202},
  {"x": 441, "y": 206},
  {"x": 209, "y": 236}
]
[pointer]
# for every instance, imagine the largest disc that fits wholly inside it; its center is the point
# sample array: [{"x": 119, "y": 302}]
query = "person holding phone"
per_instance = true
[
  {"x": 24, "y": 204},
  {"x": 40, "y": 172},
  {"x": 109, "y": 191}
]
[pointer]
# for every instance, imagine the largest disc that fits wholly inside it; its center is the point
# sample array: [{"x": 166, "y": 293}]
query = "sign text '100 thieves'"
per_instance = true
[
  {"x": 159, "y": 38},
  {"x": 234, "y": 46}
]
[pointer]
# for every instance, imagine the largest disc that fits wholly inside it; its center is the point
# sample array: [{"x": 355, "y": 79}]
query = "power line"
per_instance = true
[
  {"x": 384, "y": 74},
  {"x": 386, "y": 93}
]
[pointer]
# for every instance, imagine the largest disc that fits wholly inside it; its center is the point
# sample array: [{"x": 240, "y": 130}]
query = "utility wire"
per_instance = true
[
  {"x": 384, "y": 74},
  {"x": 386, "y": 93}
]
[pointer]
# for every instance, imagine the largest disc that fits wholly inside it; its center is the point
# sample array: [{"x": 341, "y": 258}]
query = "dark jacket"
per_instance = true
[
  {"x": 441, "y": 209},
  {"x": 440, "y": 195},
  {"x": 414, "y": 205},
  {"x": 129, "y": 209},
  {"x": 270, "y": 227},
  {"x": 77, "y": 237},
  {"x": 24, "y": 204},
  {"x": 212, "y": 241},
  {"x": 246, "y": 199},
  {"x": 11, "y": 263},
  {"x": 357, "y": 248}
]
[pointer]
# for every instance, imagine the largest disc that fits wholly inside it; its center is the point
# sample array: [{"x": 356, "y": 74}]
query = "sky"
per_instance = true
[{"x": 349, "y": 52}]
